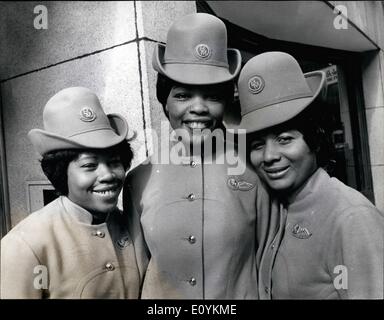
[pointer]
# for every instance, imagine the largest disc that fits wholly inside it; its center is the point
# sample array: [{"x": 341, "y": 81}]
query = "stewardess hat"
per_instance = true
[
  {"x": 196, "y": 52},
  {"x": 273, "y": 89},
  {"x": 74, "y": 119}
]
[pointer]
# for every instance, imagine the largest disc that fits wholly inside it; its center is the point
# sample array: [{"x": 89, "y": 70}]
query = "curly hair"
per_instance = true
[{"x": 55, "y": 163}]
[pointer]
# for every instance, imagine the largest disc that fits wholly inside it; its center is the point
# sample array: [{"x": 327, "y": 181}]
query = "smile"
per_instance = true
[
  {"x": 200, "y": 125},
  {"x": 276, "y": 173},
  {"x": 110, "y": 192}
]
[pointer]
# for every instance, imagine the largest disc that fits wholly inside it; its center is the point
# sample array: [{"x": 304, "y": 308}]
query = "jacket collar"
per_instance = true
[
  {"x": 79, "y": 213},
  {"x": 309, "y": 195}
]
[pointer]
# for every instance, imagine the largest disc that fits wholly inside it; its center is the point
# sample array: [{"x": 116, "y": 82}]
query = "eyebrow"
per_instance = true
[{"x": 86, "y": 156}]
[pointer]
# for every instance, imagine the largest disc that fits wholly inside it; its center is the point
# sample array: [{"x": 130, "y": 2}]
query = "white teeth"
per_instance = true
[
  {"x": 197, "y": 125},
  {"x": 106, "y": 192}
]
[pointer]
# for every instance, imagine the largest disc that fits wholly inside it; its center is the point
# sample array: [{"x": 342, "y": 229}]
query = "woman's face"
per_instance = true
[
  {"x": 283, "y": 160},
  {"x": 196, "y": 109},
  {"x": 95, "y": 180}
]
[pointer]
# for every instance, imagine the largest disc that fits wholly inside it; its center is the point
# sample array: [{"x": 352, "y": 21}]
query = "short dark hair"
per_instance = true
[
  {"x": 55, "y": 163},
  {"x": 164, "y": 86},
  {"x": 312, "y": 124}
]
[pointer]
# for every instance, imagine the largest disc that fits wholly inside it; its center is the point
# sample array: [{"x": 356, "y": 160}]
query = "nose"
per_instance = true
[
  {"x": 271, "y": 153},
  {"x": 105, "y": 172},
  {"x": 198, "y": 105}
]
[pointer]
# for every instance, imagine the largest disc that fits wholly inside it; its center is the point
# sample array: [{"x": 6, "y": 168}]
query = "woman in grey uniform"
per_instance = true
[
  {"x": 198, "y": 216},
  {"x": 80, "y": 245},
  {"x": 327, "y": 242}
]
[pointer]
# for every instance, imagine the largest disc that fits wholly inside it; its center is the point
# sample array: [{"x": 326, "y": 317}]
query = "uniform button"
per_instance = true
[
  {"x": 192, "y": 281},
  {"x": 100, "y": 234},
  {"x": 266, "y": 290},
  {"x": 109, "y": 266},
  {"x": 192, "y": 239},
  {"x": 193, "y": 164},
  {"x": 191, "y": 197},
  {"x": 273, "y": 246}
]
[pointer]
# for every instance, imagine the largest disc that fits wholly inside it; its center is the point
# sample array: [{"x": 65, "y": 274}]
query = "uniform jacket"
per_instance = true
[
  {"x": 200, "y": 224},
  {"x": 328, "y": 244},
  {"x": 81, "y": 260}
]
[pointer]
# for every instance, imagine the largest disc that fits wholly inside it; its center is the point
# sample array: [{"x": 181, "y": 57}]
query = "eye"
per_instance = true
[
  {"x": 257, "y": 145},
  {"x": 181, "y": 96},
  {"x": 115, "y": 162},
  {"x": 284, "y": 139},
  {"x": 89, "y": 165},
  {"x": 215, "y": 97}
]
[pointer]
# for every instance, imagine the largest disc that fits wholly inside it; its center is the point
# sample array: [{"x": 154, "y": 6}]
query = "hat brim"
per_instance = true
[
  {"x": 278, "y": 113},
  {"x": 197, "y": 74},
  {"x": 44, "y": 141}
]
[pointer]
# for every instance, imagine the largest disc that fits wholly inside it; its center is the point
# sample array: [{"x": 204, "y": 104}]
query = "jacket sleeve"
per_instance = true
[
  {"x": 357, "y": 261},
  {"x": 21, "y": 271}
]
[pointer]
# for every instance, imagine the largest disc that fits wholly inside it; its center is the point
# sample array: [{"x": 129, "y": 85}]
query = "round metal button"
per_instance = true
[
  {"x": 266, "y": 290},
  {"x": 192, "y": 281},
  {"x": 273, "y": 246},
  {"x": 191, "y": 197},
  {"x": 192, "y": 239},
  {"x": 193, "y": 164},
  {"x": 100, "y": 234},
  {"x": 109, "y": 266}
]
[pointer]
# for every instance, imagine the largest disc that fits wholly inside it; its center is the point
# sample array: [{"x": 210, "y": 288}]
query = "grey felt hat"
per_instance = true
[
  {"x": 196, "y": 52},
  {"x": 74, "y": 119},
  {"x": 273, "y": 89}
]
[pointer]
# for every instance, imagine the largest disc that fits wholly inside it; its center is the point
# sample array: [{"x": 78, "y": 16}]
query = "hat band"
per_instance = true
[
  {"x": 283, "y": 99},
  {"x": 210, "y": 62},
  {"x": 90, "y": 130}
]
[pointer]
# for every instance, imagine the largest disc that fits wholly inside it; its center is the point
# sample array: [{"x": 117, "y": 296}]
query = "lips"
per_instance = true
[
  {"x": 198, "y": 124},
  {"x": 276, "y": 172},
  {"x": 107, "y": 192}
]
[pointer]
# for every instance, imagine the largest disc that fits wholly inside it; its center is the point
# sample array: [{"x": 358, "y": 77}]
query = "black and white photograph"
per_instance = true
[{"x": 205, "y": 152}]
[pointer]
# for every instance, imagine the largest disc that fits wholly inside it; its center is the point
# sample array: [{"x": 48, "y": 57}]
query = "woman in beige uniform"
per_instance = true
[
  {"x": 80, "y": 245},
  {"x": 327, "y": 242},
  {"x": 198, "y": 217}
]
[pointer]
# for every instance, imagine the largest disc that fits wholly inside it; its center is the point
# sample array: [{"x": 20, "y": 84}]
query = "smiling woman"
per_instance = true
[
  {"x": 324, "y": 227},
  {"x": 86, "y": 246},
  {"x": 199, "y": 220}
]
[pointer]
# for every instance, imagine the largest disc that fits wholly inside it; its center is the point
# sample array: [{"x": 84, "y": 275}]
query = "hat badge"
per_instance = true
[
  {"x": 87, "y": 114},
  {"x": 301, "y": 232},
  {"x": 256, "y": 84},
  {"x": 203, "y": 51},
  {"x": 241, "y": 185}
]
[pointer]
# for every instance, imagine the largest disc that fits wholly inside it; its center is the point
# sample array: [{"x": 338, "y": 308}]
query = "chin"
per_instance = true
[{"x": 278, "y": 186}]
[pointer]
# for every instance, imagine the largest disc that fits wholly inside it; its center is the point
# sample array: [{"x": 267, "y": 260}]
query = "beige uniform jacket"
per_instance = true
[
  {"x": 329, "y": 245},
  {"x": 57, "y": 253},
  {"x": 200, "y": 226}
]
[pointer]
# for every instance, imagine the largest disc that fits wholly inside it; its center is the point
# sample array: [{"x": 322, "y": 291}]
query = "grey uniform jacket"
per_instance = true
[
  {"x": 200, "y": 226},
  {"x": 328, "y": 244}
]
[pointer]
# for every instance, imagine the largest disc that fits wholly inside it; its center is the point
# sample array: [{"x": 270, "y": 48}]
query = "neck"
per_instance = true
[{"x": 98, "y": 218}]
